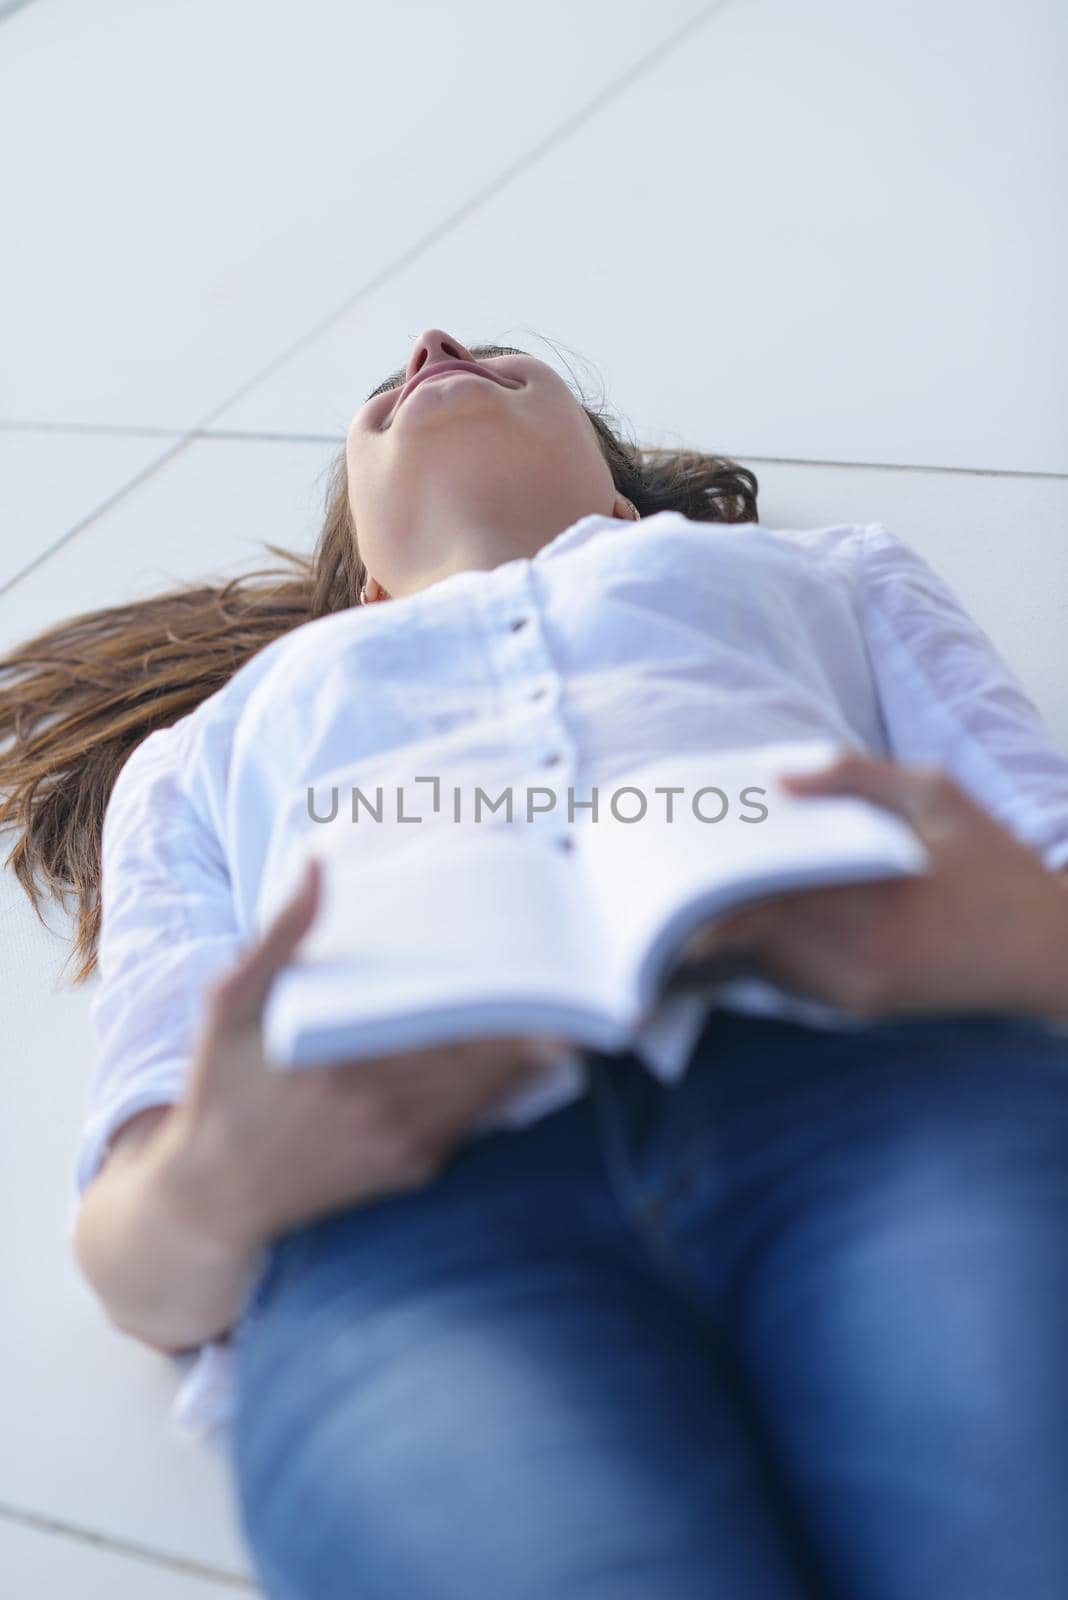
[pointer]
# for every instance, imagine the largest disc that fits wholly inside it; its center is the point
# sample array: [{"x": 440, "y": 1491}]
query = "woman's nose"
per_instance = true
[{"x": 433, "y": 344}]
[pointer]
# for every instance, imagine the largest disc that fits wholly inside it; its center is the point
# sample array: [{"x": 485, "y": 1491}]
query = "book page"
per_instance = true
[
  {"x": 734, "y": 836},
  {"x": 456, "y": 932}
]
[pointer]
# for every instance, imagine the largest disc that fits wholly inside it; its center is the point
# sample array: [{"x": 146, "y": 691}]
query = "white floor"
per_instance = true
[{"x": 828, "y": 239}]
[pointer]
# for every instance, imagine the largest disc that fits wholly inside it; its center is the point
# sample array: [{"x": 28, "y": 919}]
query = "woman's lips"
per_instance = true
[
  {"x": 442, "y": 370},
  {"x": 448, "y": 372}
]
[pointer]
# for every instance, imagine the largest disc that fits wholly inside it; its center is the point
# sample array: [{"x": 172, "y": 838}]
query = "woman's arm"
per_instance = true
[
  {"x": 977, "y": 774},
  {"x": 143, "y": 1238},
  {"x": 949, "y": 700},
  {"x": 172, "y": 1229}
]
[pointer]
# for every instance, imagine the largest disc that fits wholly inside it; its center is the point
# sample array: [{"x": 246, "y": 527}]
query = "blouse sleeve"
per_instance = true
[
  {"x": 948, "y": 699},
  {"x": 167, "y": 927}
]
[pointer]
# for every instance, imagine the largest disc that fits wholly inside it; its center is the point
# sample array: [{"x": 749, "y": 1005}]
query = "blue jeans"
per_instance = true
[{"x": 796, "y": 1326}]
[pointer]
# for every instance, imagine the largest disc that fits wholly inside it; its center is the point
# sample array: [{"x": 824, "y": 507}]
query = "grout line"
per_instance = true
[
  {"x": 13, "y": 425},
  {"x": 901, "y": 466},
  {"x": 132, "y": 431},
  {"x": 228, "y": 435},
  {"x": 241, "y": 434},
  {"x": 266, "y": 436},
  {"x": 735, "y": 455},
  {"x": 32, "y": 425},
  {"x": 98, "y": 511},
  {"x": 125, "y": 1547}
]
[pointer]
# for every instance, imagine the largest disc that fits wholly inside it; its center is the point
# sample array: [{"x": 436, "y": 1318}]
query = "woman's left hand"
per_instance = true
[{"x": 985, "y": 928}]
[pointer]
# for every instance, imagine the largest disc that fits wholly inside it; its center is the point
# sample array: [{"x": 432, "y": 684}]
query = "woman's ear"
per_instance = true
[{"x": 372, "y": 591}]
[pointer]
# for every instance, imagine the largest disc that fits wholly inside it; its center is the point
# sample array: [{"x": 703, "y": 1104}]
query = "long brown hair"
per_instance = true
[{"x": 77, "y": 700}]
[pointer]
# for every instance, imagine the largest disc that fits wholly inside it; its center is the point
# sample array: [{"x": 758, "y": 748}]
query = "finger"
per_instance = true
[
  {"x": 469, "y": 1058},
  {"x": 916, "y": 793},
  {"x": 544, "y": 1050},
  {"x": 522, "y": 1051},
  {"x": 243, "y": 991}
]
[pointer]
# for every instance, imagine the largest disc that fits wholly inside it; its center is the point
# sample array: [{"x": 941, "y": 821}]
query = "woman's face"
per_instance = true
[{"x": 461, "y": 442}]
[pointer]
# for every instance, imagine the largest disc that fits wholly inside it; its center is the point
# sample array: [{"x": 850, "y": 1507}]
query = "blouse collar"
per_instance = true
[{"x": 578, "y": 533}]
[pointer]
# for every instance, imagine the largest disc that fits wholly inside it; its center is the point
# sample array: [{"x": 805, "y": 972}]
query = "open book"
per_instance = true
[{"x": 470, "y": 930}]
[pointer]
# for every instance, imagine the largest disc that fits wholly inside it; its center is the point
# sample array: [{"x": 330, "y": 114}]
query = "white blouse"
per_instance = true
[{"x": 617, "y": 643}]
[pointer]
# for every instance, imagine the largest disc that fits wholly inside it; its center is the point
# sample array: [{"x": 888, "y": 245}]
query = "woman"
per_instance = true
[{"x": 773, "y": 1305}]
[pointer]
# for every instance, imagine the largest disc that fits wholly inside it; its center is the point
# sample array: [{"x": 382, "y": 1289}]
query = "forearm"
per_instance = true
[{"x": 145, "y": 1241}]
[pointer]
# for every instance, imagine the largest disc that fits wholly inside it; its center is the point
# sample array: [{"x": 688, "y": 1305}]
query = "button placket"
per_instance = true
[{"x": 542, "y": 740}]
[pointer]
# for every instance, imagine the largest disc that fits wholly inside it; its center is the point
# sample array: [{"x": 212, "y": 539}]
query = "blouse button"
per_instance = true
[
  {"x": 539, "y": 694},
  {"x": 565, "y": 844},
  {"x": 552, "y": 760},
  {"x": 520, "y": 622}
]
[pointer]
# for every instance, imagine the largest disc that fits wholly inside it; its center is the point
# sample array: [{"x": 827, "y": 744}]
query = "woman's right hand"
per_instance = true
[{"x": 273, "y": 1149}]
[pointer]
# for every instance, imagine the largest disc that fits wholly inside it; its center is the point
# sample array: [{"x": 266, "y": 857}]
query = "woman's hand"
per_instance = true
[
  {"x": 984, "y": 929},
  {"x": 263, "y": 1150}
]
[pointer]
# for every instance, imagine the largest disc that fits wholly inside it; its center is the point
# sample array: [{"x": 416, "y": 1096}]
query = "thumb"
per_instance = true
[{"x": 241, "y": 994}]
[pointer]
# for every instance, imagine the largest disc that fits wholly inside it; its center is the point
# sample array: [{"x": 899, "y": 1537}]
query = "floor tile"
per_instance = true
[
  {"x": 198, "y": 186},
  {"x": 38, "y": 1565},
  {"x": 210, "y": 509},
  {"x": 821, "y": 232},
  {"x": 84, "y": 1409},
  {"x": 50, "y": 482}
]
